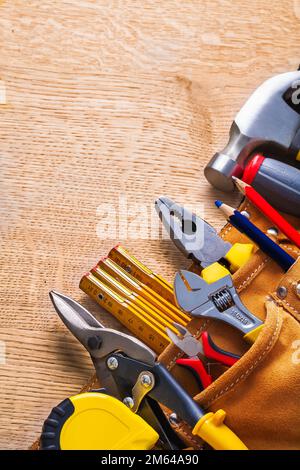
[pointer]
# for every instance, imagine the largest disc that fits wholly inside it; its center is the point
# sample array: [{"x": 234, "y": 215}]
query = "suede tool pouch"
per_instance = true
[{"x": 260, "y": 392}]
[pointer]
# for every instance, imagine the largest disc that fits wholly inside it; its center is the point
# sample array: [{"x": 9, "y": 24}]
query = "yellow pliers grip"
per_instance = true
[
  {"x": 237, "y": 256},
  {"x": 211, "y": 429},
  {"x": 252, "y": 335}
]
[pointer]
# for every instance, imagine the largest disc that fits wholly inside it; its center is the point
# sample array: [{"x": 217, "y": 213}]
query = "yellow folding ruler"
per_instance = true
[{"x": 139, "y": 298}]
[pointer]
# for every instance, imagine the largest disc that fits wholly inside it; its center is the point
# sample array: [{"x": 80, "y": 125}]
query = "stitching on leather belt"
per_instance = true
[
  {"x": 189, "y": 436},
  {"x": 191, "y": 439},
  {"x": 245, "y": 374},
  {"x": 285, "y": 302},
  {"x": 226, "y": 231},
  {"x": 291, "y": 249},
  {"x": 169, "y": 366},
  {"x": 252, "y": 274}
]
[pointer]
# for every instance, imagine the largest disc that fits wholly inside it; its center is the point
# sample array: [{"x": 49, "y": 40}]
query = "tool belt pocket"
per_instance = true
[{"x": 260, "y": 392}]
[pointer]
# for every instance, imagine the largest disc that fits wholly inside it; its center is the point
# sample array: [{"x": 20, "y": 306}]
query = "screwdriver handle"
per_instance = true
[
  {"x": 278, "y": 182},
  {"x": 212, "y": 351},
  {"x": 197, "y": 367}
]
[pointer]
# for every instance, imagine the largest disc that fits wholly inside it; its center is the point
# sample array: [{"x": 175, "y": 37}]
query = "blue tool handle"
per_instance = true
[
  {"x": 279, "y": 184},
  {"x": 265, "y": 243}
]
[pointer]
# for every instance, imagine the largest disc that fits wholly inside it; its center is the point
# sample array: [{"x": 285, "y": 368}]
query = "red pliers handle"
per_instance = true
[
  {"x": 212, "y": 351},
  {"x": 198, "y": 369},
  {"x": 203, "y": 347}
]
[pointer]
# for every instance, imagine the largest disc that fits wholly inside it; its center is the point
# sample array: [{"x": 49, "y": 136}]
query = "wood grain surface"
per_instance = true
[{"x": 104, "y": 103}]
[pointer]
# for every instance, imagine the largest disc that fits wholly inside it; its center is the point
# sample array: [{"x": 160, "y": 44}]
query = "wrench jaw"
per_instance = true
[
  {"x": 193, "y": 292},
  {"x": 218, "y": 300},
  {"x": 188, "y": 296}
]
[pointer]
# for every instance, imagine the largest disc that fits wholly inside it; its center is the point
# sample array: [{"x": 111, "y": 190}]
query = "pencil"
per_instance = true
[
  {"x": 268, "y": 210},
  {"x": 265, "y": 243}
]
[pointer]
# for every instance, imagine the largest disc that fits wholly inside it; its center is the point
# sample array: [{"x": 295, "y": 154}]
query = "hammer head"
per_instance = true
[{"x": 270, "y": 119}]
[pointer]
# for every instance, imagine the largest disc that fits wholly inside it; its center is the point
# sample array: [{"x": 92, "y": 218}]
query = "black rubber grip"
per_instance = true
[{"x": 50, "y": 437}]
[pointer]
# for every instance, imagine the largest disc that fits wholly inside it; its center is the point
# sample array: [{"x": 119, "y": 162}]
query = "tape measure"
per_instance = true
[
  {"x": 161, "y": 319},
  {"x": 95, "y": 421},
  {"x": 140, "y": 299}
]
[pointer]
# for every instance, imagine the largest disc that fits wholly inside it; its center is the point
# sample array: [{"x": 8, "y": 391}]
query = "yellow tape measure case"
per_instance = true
[{"x": 95, "y": 421}]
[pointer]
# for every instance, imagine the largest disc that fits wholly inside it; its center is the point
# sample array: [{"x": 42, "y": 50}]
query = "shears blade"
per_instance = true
[
  {"x": 98, "y": 340},
  {"x": 72, "y": 313}
]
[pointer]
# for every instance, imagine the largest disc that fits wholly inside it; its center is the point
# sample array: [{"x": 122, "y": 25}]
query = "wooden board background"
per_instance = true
[{"x": 101, "y": 100}]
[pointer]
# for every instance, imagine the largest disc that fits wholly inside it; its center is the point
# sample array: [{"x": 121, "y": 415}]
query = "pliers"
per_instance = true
[
  {"x": 199, "y": 241},
  {"x": 205, "y": 348},
  {"x": 129, "y": 371}
]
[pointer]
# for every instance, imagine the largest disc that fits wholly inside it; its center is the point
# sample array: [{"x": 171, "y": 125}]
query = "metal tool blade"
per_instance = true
[
  {"x": 98, "y": 341},
  {"x": 72, "y": 313},
  {"x": 187, "y": 342},
  {"x": 191, "y": 234},
  {"x": 189, "y": 288}
]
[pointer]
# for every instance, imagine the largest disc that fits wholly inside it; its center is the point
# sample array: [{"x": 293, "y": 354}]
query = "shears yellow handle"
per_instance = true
[{"x": 211, "y": 429}]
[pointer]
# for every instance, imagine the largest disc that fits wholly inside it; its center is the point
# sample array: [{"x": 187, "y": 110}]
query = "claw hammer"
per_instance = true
[{"x": 269, "y": 122}]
